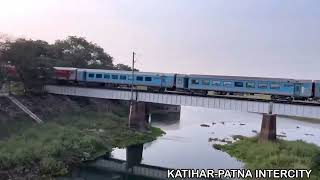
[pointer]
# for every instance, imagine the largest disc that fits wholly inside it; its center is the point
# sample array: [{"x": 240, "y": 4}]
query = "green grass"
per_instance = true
[
  {"x": 109, "y": 126},
  {"x": 52, "y": 148},
  {"x": 14, "y": 126},
  {"x": 275, "y": 155}
]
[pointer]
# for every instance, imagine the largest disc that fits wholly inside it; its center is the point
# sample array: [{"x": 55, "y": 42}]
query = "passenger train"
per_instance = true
[{"x": 277, "y": 88}]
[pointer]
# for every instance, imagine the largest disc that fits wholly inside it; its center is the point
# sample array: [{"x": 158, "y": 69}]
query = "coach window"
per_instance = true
[
  {"x": 227, "y": 83},
  {"x": 98, "y": 76},
  {"x": 205, "y": 82},
  {"x": 238, "y": 84},
  {"x": 194, "y": 81},
  {"x": 216, "y": 83},
  {"x": 139, "y": 78},
  {"x": 250, "y": 85},
  {"x": 107, "y": 76},
  {"x": 114, "y": 76},
  {"x": 263, "y": 85},
  {"x": 288, "y": 85},
  {"x": 274, "y": 86},
  {"x": 91, "y": 75},
  {"x": 148, "y": 78},
  {"x": 122, "y": 77}
]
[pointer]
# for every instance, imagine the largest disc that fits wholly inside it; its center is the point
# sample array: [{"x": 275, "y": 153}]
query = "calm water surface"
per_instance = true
[{"x": 186, "y": 144}]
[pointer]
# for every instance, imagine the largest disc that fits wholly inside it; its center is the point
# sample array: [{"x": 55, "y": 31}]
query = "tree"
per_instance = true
[
  {"x": 31, "y": 61},
  {"x": 78, "y": 52},
  {"x": 34, "y": 60},
  {"x": 3, "y": 75},
  {"x": 123, "y": 67}
]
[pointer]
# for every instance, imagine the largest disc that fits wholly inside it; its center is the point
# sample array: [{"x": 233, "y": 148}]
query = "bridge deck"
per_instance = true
[{"x": 243, "y": 105}]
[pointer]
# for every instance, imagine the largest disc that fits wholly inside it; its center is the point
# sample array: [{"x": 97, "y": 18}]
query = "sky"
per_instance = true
[{"x": 267, "y": 38}]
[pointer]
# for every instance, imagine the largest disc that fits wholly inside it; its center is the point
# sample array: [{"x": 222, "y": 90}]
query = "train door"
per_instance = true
[
  {"x": 186, "y": 83},
  {"x": 162, "y": 81},
  {"x": 84, "y": 78},
  {"x": 297, "y": 89}
]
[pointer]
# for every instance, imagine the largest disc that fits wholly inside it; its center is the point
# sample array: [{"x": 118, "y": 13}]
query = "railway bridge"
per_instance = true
[{"x": 139, "y": 114}]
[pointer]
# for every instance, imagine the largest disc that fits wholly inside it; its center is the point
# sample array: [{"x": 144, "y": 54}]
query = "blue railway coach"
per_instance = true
[
  {"x": 278, "y": 88},
  {"x": 317, "y": 89},
  {"x": 255, "y": 85},
  {"x": 159, "y": 80}
]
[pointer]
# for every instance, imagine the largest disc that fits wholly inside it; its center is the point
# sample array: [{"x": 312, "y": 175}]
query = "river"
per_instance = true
[{"x": 186, "y": 143}]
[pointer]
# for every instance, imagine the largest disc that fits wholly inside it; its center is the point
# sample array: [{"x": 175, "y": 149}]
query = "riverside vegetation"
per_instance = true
[
  {"x": 75, "y": 129},
  {"x": 65, "y": 140},
  {"x": 275, "y": 155}
]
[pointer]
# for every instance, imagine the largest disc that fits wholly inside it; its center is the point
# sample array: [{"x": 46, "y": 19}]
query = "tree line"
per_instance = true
[{"x": 34, "y": 59}]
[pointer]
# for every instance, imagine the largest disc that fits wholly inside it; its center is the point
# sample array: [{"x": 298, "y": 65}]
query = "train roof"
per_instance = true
[
  {"x": 65, "y": 68},
  {"x": 127, "y": 72},
  {"x": 248, "y": 78}
]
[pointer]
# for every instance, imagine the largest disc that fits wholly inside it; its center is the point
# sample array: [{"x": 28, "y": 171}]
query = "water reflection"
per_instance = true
[
  {"x": 186, "y": 144},
  {"x": 134, "y": 155},
  {"x": 171, "y": 120},
  {"x": 110, "y": 168}
]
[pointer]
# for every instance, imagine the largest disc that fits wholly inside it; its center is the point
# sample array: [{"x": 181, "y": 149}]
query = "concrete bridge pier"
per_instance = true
[
  {"x": 139, "y": 116},
  {"x": 269, "y": 126}
]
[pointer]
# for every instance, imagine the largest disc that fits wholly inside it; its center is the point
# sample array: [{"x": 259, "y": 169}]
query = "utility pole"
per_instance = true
[
  {"x": 133, "y": 61},
  {"x": 132, "y": 80}
]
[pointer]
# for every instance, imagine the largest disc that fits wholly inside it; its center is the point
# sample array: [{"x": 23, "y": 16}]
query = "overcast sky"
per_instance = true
[{"x": 275, "y": 38}]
